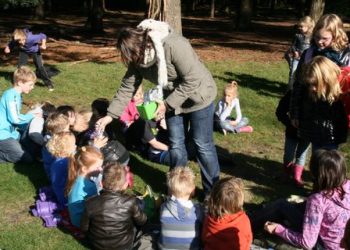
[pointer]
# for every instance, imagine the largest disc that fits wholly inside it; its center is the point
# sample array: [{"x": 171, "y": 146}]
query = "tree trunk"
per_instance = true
[
  {"x": 95, "y": 17},
  {"x": 212, "y": 9},
  {"x": 173, "y": 15},
  {"x": 244, "y": 15},
  {"x": 39, "y": 10},
  {"x": 316, "y": 9}
]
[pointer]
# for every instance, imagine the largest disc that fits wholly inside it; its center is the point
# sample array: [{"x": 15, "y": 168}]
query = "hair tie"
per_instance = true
[{"x": 83, "y": 149}]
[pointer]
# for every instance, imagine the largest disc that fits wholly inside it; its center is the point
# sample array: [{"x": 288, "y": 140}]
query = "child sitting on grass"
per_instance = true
[
  {"x": 222, "y": 118},
  {"x": 86, "y": 163},
  {"x": 110, "y": 219},
  {"x": 12, "y": 122},
  {"x": 181, "y": 219},
  {"x": 227, "y": 226}
]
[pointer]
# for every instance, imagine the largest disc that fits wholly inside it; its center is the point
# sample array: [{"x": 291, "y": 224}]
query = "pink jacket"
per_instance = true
[
  {"x": 324, "y": 217},
  {"x": 130, "y": 114}
]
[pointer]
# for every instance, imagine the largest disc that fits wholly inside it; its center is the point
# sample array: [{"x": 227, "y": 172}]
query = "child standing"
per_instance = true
[
  {"x": 294, "y": 147},
  {"x": 61, "y": 146},
  {"x": 12, "y": 121},
  {"x": 110, "y": 219},
  {"x": 227, "y": 226},
  {"x": 181, "y": 219},
  {"x": 86, "y": 163},
  {"x": 322, "y": 119},
  {"x": 224, "y": 108},
  {"x": 326, "y": 211},
  {"x": 30, "y": 45},
  {"x": 300, "y": 43}
]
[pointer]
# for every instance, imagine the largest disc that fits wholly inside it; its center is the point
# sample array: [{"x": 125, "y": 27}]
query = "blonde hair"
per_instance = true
[
  {"x": 323, "y": 74},
  {"x": 56, "y": 123},
  {"x": 82, "y": 120},
  {"x": 114, "y": 177},
  {"x": 85, "y": 157},
  {"x": 308, "y": 22},
  {"x": 23, "y": 74},
  {"x": 58, "y": 144},
  {"x": 226, "y": 197},
  {"x": 19, "y": 34},
  {"x": 232, "y": 87},
  {"x": 181, "y": 181},
  {"x": 333, "y": 24}
]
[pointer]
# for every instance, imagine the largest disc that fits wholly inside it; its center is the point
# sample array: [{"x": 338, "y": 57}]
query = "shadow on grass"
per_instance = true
[
  {"x": 262, "y": 86},
  {"x": 34, "y": 172}
]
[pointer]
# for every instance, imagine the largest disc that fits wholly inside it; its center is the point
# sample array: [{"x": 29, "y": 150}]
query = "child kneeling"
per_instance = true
[{"x": 110, "y": 218}]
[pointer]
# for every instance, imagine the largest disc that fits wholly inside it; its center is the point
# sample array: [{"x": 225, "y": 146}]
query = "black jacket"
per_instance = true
[
  {"x": 282, "y": 114},
  {"x": 110, "y": 219}
]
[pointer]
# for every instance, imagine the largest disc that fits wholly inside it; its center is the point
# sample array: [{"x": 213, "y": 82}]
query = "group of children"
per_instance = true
[{"x": 90, "y": 180}]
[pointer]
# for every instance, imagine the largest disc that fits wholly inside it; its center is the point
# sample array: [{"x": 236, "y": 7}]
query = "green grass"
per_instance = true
[{"x": 256, "y": 157}]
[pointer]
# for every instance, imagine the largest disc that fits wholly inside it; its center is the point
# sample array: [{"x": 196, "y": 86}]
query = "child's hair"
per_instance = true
[
  {"x": 308, "y": 22},
  {"x": 323, "y": 74},
  {"x": 114, "y": 177},
  {"x": 48, "y": 109},
  {"x": 65, "y": 109},
  {"x": 56, "y": 123},
  {"x": 226, "y": 197},
  {"x": 333, "y": 24},
  {"x": 82, "y": 121},
  {"x": 58, "y": 145},
  {"x": 232, "y": 87},
  {"x": 345, "y": 243},
  {"x": 86, "y": 156},
  {"x": 23, "y": 74},
  {"x": 99, "y": 107},
  {"x": 19, "y": 34},
  {"x": 181, "y": 181},
  {"x": 328, "y": 169}
]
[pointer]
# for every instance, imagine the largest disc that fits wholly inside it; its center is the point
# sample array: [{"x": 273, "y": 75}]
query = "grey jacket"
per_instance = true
[{"x": 190, "y": 87}]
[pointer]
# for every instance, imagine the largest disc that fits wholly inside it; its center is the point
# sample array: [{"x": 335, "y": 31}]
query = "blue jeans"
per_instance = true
[
  {"x": 295, "y": 148},
  {"x": 197, "y": 127},
  {"x": 228, "y": 127},
  {"x": 12, "y": 151},
  {"x": 292, "y": 68}
]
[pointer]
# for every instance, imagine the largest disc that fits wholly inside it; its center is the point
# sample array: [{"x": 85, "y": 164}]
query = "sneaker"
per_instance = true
[
  {"x": 50, "y": 87},
  {"x": 246, "y": 129},
  {"x": 224, "y": 132}
]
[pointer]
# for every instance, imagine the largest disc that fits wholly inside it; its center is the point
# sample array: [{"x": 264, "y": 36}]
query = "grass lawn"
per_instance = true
[{"x": 256, "y": 157}]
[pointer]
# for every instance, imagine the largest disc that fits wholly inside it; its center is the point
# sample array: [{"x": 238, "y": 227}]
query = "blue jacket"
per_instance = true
[{"x": 10, "y": 117}]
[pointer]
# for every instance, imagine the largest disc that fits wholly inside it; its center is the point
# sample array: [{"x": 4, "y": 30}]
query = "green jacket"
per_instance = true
[{"x": 190, "y": 87}]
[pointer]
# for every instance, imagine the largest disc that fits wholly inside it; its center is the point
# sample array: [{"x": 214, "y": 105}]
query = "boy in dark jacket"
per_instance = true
[
  {"x": 110, "y": 218},
  {"x": 29, "y": 45}
]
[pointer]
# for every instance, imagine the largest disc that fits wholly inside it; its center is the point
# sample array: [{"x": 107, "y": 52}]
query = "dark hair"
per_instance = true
[
  {"x": 328, "y": 168},
  {"x": 132, "y": 43},
  {"x": 48, "y": 109},
  {"x": 100, "y": 105},
  {"x": 65, "y": 109}
]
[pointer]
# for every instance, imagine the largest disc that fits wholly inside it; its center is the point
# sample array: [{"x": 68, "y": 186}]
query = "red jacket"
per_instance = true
[{"x": 232, "y": 232}]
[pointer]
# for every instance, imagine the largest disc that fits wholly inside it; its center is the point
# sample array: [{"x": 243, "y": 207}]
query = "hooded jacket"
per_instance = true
[
  {"x": 325, "y": 218},
  {"x": 190, "y": 86},
  {"x": 180, "y": 225},
  {"x": 232, "y": 231}
]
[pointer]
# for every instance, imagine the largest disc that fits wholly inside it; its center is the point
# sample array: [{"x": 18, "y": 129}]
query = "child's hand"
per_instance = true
[
  {"x": 160, "y": 112},
  {"x": 100, "y": 142},
  {"x": 43, "y": 44},
  {"x": 7, "y": 50},
  {"x": 296, "y": 55},
  {"x": 270, "y": 227},
  {"x": 233, "y": 123}
]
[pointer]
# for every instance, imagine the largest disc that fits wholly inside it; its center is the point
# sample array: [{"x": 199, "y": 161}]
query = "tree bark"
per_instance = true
[
  {"x": 317, "y": 9},
  {"x": 173, "y": 14},
  {"x": 244, "y": 15},
  {"x": 212, "y": 9},
  {"x": 95, "y": 17},
  {"x": 40, "y": 11}
]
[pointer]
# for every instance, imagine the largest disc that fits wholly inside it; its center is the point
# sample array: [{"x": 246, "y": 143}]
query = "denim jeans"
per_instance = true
[
  {"x": 295, "y": 148},
  {"x": 11, "y": 151},
  {"x": 38, "y": 62},
  {"x": 196, "y": 127},
  {"x": 292, "y": 68},
  {"x": 228, "y": 127}
]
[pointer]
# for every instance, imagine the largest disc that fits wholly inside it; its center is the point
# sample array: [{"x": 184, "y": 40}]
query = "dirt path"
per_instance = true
[{"x": 213, "y": 39}]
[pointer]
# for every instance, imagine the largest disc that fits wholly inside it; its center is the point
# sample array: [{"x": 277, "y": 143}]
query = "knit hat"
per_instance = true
[{"x": 157, "y": 31}]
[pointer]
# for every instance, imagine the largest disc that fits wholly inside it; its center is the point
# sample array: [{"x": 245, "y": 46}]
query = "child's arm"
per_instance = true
[
  {"x": 158, "y": 145},
  {"x": 139, "y": 217},
  {"x": 238, "y": 112},
  {"x": 13, "y": 111},
  {"x": 43, "y": 44}
]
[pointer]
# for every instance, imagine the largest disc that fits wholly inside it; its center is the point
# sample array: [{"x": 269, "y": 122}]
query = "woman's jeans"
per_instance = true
[
  {"x": 196, "y": 127},
  {"x": 295, "y": 148},
  {"x": 228, "y": 127}
]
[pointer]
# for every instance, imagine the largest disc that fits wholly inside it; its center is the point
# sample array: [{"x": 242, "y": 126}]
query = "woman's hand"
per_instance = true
[
  {"x": 270, "y": 227},
  {"x": 160, "y": 112},
  {"x": 100, "y": 142},
  {"x": 103, "y": 122}
]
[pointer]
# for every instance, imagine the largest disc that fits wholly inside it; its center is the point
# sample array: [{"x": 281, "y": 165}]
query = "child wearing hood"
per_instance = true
[{"x": 181, "y": 219}]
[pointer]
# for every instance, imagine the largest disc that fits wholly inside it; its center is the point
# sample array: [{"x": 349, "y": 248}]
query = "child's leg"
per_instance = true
[
  {"x": 22, "y": 58},
  {"x": 40, "y": 67},
  {"x": 12, "y": 151},
  {"x": 301, "y": 152},
  {"x": 226, "y": 125},
  {"x": 292, "y": 69},
  {"x": 243, "y": 122},
  {"x": 290, "y": 146}
]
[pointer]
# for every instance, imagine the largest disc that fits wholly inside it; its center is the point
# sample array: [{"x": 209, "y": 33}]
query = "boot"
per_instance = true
[
  {"x": 298, "y": 172},
  {"x": 245, "y": 129},
  {"x": 288, "y": 170}
]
